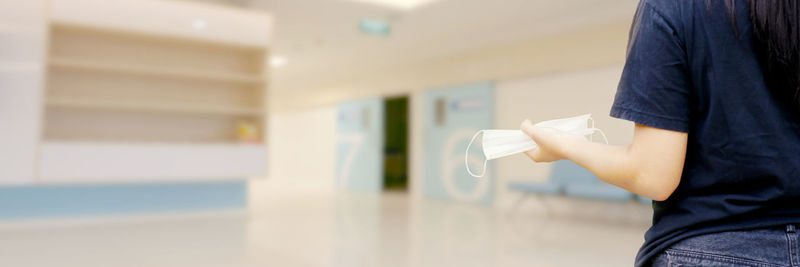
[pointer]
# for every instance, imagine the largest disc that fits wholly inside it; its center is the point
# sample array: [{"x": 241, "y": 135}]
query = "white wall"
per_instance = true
[
  {"x": 593, "y": 46},
  {"x": 553, "y": 61},
  {"x": 551, "y": 97},
  {"x": 301, "y": 157},
  {"x": 302, "y": 145}
]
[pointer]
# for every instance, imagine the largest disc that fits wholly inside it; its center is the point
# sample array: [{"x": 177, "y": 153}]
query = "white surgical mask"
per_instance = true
[{"x": 501, "y": 143}]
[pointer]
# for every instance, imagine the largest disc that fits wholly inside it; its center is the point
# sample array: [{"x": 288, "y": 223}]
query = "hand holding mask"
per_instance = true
[{"x": 501, "y": 143}]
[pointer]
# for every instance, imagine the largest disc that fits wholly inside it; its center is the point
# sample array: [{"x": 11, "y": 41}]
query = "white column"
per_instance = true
[{"x": 23, "y": 28}]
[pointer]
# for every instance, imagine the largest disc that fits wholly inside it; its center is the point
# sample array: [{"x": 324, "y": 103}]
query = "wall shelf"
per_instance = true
[
  {"x": 139, "y": 73},
  {"x": 152, "y": 107},
  {"x": 154, "y": 71},
  {"x": 131, "y": 91}
]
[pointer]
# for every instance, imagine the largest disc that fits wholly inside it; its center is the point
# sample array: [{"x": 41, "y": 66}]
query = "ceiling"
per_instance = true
[{"x": 323, "y": 44}]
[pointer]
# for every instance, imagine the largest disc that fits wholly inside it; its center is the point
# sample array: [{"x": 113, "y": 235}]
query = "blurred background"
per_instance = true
[{"x": 305, "y": 133}]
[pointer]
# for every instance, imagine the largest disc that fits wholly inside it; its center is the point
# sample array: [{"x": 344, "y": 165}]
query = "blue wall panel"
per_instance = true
[
  {"x": 452, "y": 116},
  {"x": 359, "y": 152},
  {"x": 32, "y": 202}
]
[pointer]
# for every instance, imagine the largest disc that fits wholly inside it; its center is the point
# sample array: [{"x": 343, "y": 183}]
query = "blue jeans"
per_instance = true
[{"x": 763, "y": 247}]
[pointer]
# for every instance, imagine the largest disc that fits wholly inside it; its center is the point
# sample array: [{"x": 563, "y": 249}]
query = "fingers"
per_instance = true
[
  {"x": 526, "y": 127},
  {"x": 536, "y": 133},
  {"x": 534, "y": 154}
]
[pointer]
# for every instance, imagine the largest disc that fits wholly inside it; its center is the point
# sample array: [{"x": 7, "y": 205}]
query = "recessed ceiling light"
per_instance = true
[
  {"x": 397, "y": 4},
  {"x": 278, "y": 61},
  {"x": 199, "y": 24}
]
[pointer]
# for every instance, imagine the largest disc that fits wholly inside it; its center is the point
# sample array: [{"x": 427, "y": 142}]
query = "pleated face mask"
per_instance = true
[{"x": 500, "y": 143}]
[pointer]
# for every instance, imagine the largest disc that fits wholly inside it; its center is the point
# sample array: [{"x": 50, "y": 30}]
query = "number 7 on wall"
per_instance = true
[{"x": 354, "y": 141}]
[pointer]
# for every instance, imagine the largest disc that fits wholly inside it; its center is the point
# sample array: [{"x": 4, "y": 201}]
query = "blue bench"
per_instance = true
[{"x": 569, "y": 179}]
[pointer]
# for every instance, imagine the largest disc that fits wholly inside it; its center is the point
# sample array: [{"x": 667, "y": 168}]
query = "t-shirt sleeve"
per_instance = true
[{"x": 654, "y": 89}]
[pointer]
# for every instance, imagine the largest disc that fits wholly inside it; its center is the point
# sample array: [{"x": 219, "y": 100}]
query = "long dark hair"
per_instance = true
[{"x": 776, "y": 34}]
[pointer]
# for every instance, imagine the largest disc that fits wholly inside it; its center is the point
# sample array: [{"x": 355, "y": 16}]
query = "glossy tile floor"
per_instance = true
[{"x": 343, "y": 230}]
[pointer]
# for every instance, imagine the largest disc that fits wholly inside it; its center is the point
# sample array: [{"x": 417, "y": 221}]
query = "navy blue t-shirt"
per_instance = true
[{"x": 687, "y": 70}]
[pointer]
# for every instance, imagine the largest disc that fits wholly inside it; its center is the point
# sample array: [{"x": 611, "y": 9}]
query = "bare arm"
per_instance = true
[{"x": 651, "y": 166}]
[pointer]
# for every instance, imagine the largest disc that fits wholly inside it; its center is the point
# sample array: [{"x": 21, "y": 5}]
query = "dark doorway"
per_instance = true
[{"x": 395, "y": 150}]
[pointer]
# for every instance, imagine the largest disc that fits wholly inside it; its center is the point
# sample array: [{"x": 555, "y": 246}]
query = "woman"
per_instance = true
[{"x": 713, "y": 89}]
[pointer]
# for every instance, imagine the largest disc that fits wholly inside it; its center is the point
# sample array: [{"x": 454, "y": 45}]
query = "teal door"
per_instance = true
[
  {"x": 452, "y": 116},
  {"x": 359, "y": 159}
]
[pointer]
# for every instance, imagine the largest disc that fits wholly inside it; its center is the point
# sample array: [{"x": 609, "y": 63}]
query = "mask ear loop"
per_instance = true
[
  {"x": 466, "y": 158},
  {"x": 601, "y": 134},
  {"x": 591, "y": 137}
]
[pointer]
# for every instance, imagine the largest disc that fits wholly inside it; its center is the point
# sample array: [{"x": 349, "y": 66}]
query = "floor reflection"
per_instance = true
[
  {"x": 343, "y": 230},
  {"x": 177, "y": 242}
]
